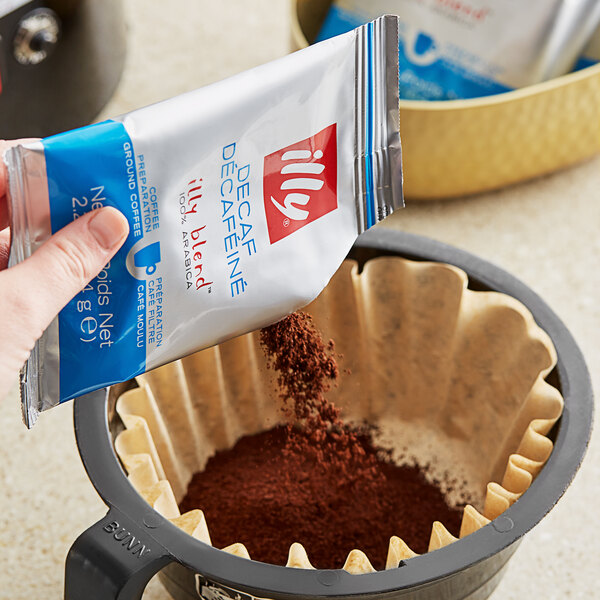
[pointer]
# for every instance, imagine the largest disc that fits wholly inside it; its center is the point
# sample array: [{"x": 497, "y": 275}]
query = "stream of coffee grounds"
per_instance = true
[
  {"x": 306, "y": 368},
  {"x": 316, "y": 480}
]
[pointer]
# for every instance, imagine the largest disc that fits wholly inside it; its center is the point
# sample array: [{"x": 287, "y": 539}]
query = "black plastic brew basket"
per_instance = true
[{"x": 116, "y": 557}]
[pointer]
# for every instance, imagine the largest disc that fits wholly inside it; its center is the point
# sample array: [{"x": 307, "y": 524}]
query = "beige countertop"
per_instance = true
[{"x": 545, "y": 232}]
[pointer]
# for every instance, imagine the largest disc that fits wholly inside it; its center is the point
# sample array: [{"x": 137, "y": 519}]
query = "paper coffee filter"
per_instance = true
[{"x": 452, "y": 378}]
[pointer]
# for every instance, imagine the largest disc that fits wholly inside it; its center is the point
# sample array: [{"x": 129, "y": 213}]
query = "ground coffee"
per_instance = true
[
  {"x": 306, "y": 368},
  {"x": 316, "y": 480}
]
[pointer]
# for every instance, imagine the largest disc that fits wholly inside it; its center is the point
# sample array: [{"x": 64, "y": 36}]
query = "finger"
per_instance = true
[
  {"x": 5, "y": 145},
  {"x": 34, "y": 291},
  {"x": 4, "y": 248}
]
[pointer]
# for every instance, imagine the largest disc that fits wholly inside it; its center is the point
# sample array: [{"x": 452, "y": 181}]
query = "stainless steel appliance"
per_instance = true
[{"x": 60, "y": 61}]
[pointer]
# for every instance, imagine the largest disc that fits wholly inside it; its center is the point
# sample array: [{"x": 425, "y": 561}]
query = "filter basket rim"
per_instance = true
[{"x": 96, "y": 448}]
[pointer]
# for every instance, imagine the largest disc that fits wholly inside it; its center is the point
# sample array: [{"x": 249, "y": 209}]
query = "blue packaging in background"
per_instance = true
[{"x": 450, "y": 49}]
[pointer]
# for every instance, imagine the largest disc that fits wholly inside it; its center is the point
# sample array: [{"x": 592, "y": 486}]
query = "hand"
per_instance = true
[{"x": 34, "y": 291}]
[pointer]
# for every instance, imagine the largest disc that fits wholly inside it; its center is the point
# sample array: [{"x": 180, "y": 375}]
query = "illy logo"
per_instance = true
[{"x": 300, "y": 183}]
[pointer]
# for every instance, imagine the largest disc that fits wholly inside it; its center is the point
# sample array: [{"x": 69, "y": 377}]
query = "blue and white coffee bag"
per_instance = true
[
  {"x": 243, "y": 198},
  {"x": 452, "y": 49}
]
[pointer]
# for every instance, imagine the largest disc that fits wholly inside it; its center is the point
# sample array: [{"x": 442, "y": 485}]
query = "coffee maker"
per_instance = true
[{"x": 60, "y": 61}]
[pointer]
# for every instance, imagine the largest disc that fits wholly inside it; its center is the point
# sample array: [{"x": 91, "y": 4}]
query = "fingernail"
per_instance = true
[{"x": 109, "y": 227}]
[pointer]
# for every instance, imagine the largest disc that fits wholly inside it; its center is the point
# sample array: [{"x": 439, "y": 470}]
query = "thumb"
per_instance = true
[{"x": 34, "y": 291}]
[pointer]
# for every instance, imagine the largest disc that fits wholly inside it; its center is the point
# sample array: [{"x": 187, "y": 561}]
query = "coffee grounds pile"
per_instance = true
[{"x": 316, "y": 480}]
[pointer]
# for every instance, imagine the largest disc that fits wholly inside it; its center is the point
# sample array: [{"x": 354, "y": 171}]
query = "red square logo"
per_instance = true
[{"x": 300, "y": 183}]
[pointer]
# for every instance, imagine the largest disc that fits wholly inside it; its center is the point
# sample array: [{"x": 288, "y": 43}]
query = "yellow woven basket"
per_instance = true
[{"x": 461, "y": 147}]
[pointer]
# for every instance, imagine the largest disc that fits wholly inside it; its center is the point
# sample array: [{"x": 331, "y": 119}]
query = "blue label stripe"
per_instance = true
[
  {"x": 584, "y": 62},
  {"x": 98, "y": 339},
  {"x": 369, "y": 130}
]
